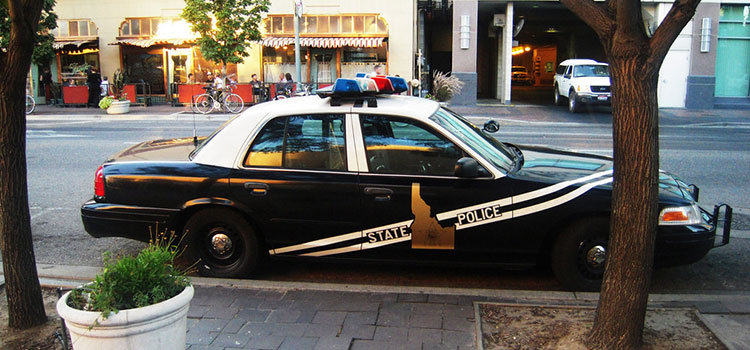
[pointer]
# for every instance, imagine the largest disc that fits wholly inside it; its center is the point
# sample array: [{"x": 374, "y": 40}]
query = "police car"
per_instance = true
[{"x": 357, "y": 173}]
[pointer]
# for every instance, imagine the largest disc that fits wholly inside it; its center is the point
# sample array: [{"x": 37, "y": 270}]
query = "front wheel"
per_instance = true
[
  {"x": 579, "y": 255},
  {"x": 204, "y": 103},
  {"x": 30, "y": 104},
  {"x": 574, "y": 104},
  {"x": 221, "y": 243},
  {"x": 233, "y": 103}
]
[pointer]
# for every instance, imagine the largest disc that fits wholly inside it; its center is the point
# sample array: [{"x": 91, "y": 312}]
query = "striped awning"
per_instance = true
[
  {"x": 59, "y": 44},
  {"x": 152, "y": 42},
  {"x": 324, "y": 42}
]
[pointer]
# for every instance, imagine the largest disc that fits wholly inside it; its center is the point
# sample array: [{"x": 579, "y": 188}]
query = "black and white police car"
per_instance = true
[{"x": 355, "y": 175}]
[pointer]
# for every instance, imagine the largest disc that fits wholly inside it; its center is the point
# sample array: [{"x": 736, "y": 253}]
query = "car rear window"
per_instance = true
[{"x": 314, "y": 142}]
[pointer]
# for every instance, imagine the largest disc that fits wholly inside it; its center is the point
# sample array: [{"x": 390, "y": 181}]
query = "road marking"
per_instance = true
[
  {"x": 50, "y": 134},
  {"x": 60, "y": 123}
]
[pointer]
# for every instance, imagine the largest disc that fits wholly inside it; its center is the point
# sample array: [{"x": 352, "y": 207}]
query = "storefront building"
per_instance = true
[{"x": 155, "y": 49}]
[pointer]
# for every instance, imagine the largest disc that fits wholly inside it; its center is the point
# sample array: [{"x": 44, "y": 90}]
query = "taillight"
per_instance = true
[{"x": 99, "y": 182}]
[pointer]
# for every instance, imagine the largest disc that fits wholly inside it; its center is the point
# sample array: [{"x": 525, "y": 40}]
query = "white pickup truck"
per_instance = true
[{"x": 582, "y": 81}]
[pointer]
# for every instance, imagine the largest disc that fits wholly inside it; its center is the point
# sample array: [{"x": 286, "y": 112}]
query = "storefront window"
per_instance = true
[
  {"x": 75, "y": 28},
  {"x": 359, "y": 24},
  {"x": 143, "y": 26},
  {"x": 732, "y": 74},
  {"x": 202, "y": 66},
  {"x": 358, "y": 59},
  {"x": 280, "y": 60},
  {"x": 75, "y": 66}
]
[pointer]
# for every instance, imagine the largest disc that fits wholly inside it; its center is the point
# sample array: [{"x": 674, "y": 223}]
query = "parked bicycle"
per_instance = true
[
  {"x": 223, "y": 99},
  {"x": 30, "y": 104},
  {"x": 304, "y": 90}
]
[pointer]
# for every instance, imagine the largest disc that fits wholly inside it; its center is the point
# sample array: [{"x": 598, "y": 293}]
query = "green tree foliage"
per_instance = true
[
  {"x": 43, "y": 51},
  {"x": 226, "y": 27}
]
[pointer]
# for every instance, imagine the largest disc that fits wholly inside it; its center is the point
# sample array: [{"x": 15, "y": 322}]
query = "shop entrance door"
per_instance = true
[
  {"x": 323, "y": 66},
  {"x": 179, "y": 65}
]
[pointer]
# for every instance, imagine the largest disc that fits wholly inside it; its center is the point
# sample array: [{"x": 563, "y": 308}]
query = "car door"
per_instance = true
[
  {"x": 294, "y": 178},
  {"x": 410, "y": 195},
  {"x": 565, "y": 81}
]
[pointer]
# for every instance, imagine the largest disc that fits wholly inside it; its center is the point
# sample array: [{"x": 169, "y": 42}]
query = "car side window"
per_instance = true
[
  {"x": 561, "y": 69},
  {"x": 314, "y": 142},
  {"x": 396, "y": 145}
]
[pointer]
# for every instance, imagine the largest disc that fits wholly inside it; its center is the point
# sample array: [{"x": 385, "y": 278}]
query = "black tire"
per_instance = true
[
  {"x": 558, "y": 97},
  {"x": 574, "y": 104},
  {"x": 574, "y": 255},
  {"x": 237, "y": 260}
]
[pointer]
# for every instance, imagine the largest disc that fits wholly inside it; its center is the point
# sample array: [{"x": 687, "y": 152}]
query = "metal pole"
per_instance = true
[{"x": 297, "y": 61}]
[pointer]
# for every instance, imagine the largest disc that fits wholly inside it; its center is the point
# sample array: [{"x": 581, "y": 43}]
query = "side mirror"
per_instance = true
[
  {"x": 466, "y": 167},
  {"x": 491, "y": 126}
]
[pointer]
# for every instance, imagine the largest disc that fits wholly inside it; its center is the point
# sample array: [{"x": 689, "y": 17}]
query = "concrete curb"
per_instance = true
[{"x": 72, "y": 276}]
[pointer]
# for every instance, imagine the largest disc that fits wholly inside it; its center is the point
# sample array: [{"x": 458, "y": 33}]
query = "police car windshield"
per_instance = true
[
  {"x": 598, "y": 70},
  {"x": 487, "y": 146}
]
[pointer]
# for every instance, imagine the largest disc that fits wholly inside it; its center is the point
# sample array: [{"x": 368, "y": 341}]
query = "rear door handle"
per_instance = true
[
  {"x": 256, "y": 188},
  {"x": 381, "y": 194}
]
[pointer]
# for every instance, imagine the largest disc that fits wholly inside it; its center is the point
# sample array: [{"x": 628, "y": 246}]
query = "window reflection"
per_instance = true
[
  {"x": 301, "y": 142},
  {"x": 402, "y": 146}
]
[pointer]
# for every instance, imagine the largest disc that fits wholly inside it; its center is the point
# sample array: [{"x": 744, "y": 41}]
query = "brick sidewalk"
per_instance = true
[
  {"x": 225, "y": 318},
  {"x": 222, "y": 318}
]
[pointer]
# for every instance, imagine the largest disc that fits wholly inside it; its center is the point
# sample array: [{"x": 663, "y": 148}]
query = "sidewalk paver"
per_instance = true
[{"x": 334, "y": 319}]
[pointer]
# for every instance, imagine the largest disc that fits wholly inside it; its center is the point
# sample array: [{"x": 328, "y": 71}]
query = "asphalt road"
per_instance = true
[{"x": 64, "y": 153}]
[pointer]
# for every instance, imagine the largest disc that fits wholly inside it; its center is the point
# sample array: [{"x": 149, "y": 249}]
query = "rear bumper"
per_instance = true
[{"x": 114, "y": 220}]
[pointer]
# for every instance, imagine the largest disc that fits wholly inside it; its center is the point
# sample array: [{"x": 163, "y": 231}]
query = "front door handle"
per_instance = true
[
  {"x": 381, "y": 194},
  {"x": 256, "y": 188}
]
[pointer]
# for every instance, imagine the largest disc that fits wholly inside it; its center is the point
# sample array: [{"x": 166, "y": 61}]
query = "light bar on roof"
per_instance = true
[{"x": 361, "y": 87}]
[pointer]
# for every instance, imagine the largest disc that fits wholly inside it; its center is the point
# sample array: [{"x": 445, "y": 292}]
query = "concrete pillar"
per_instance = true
[
  {"x": 464, "y": 59},
  {"x": 701, "y": 81},
  {"x": 505, "y": 57}
]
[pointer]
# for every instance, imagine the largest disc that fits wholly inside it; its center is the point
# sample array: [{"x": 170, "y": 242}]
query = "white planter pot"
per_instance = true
[
  {"x": 119, "y": 107},
  {"x": 160, "y": 326}
]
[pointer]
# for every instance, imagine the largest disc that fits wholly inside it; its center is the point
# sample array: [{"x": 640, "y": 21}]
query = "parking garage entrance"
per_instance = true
[{"x": 544, "y": 34}]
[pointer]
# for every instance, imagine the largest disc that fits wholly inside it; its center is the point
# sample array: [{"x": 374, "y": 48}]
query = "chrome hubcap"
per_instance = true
[
  {"x": 221, "y": 243},
  {"x": 596, "y": 256}
]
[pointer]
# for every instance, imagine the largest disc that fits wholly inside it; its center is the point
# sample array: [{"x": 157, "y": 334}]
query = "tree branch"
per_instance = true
[
  {"x": 595, "y": 15},
  {"x": 679, "y": 15}
]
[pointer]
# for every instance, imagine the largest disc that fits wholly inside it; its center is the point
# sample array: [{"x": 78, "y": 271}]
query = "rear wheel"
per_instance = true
[
  {"x": 204, "y": 103},
  {"x": 233, "y": 103},
  {"x": 221, "y": 243},
  {"x": 579, "y": 254},
  {"x": 574, "y": 105}
]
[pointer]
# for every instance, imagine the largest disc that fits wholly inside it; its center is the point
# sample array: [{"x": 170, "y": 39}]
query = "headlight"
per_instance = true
[
  {"x": 689, "y": 215},
  {"x": 583, "y": 88}
]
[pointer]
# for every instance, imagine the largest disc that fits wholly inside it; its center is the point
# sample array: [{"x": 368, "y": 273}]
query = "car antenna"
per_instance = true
[{"x": 195, "y": 133}]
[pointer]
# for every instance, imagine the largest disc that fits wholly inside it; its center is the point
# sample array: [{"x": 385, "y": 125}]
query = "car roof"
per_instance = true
[
  {"x": 419, "y": 108},
  {"x": 235, "y": 134},
  {"x": 577, "y": 61}
]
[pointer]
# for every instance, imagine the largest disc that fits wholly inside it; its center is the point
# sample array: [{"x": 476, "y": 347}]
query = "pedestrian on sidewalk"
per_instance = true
[{"x": 93, "y": 80}]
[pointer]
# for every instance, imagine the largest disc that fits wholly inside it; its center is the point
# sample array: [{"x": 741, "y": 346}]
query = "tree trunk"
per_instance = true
[
  {"x": 25, "y": 305},
  {"x": 622, "y": 308}
]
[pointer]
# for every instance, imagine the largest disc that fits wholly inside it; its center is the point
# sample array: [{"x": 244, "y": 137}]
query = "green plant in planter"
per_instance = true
[
  {"x": 106, "y": 101},
  {"x": 132, "y": 282}
]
